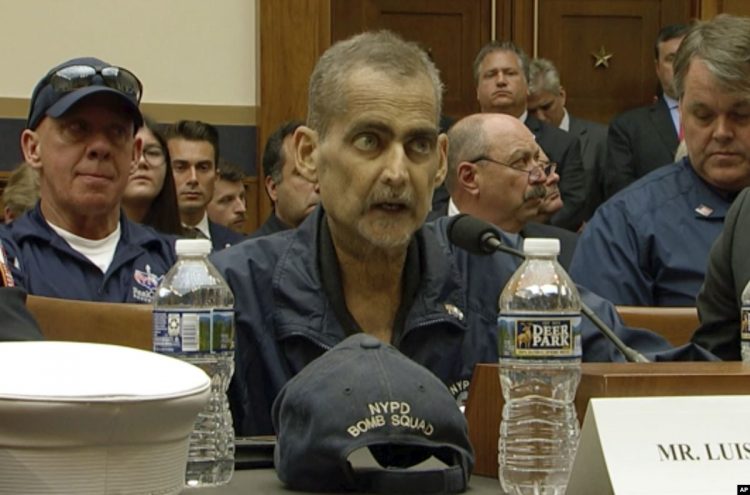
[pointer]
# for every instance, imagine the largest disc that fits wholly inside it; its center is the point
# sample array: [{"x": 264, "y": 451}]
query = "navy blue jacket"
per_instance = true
[
  {"x": 284, "y": 319},
  {"x": 223, "y": 237},
  {"x": 48, "y": 266},
  {"x": 648, "y": 245}
]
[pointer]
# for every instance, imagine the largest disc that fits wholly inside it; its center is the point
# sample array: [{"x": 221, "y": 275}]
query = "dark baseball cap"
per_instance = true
[
  {"x": 68, "y": 83},
  {"x": 364, "y": 393}
]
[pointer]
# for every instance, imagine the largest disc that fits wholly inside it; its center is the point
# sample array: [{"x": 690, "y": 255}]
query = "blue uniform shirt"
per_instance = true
[
  {"x": 648, "y": 245},
  {"x": 46, "y": 265}
]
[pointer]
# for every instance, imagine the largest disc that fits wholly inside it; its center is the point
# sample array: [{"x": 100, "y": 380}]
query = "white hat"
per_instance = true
[{"x": 94, "y": 418}]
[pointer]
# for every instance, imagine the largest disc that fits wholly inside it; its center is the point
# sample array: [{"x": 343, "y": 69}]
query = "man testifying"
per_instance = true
[
  {"x": 80, "y": 137},
  {"x": 363, "y": 261}
]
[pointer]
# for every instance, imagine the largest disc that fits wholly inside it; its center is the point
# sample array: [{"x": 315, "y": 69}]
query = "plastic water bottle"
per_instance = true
[
  {"x": 745, "y": 324},
  {"x": 539, "y": 343},
  {"x": 194, "y": 321}
]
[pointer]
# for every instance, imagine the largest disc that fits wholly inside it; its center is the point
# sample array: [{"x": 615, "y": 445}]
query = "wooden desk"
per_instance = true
[{"x": 485, "y": 402}]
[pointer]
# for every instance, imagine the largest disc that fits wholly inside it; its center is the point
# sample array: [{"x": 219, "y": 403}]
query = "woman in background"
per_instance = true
[
  {"x": 150, "y": 196},
  {"x": 21, "y": 193}
]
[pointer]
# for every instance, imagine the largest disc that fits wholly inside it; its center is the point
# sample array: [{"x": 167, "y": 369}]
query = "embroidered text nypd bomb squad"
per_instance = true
[
  {"x": 148, "y": 283},
  {"x": 392, "y": 413}
]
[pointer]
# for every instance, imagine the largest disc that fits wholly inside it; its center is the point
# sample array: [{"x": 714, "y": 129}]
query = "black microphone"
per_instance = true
[{"x": 480, "y": 237}]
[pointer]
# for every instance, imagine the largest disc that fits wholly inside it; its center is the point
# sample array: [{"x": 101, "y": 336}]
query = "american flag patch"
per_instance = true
[{"x": 704, "y": 210}]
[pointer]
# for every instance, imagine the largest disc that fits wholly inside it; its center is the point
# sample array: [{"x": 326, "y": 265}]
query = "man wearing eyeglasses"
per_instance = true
[
  {"x": 497, "y": 172},
  {"x": 501, "y": 73},
  {"x": 76, "y": 243}
]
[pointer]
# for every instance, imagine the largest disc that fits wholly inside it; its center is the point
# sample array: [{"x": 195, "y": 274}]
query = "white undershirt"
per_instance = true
[{"x": 100, "y": 251}]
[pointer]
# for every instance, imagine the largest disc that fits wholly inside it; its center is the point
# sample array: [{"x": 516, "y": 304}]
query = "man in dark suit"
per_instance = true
[
  {"x": 293, "y": 197},
  {"x": 546, "y": 102},
  {"x": 496, "y": 172},
  {"x": 501, "y": 72},
  {"x": 194, "y": 150},
  {"x": 644, "y": 138}
]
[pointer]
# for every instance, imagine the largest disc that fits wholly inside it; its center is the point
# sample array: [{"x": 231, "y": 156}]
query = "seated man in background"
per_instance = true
[
  {"x": 194, "y": 149},
  {"x": 649, "y": 245},
  {"x": 293, "y": 197},
  {"x": 80, "y": 137},
  {"x": 496, "y": 172},
  {"x": 363, "y": 261},
  {"x": 21, "y": 192},
  {"x": 546, "y": 102},
  {"x": 227, "y": 207}
]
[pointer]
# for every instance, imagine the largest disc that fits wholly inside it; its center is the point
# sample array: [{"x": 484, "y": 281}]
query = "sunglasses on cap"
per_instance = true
[{"x": 79, "y": 76}]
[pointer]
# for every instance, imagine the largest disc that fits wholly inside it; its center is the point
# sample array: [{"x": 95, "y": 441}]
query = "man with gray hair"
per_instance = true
[
  {"x": 546, "y": 101},
  {"x": 364, "y": 261},
  {"x": 721, "y": 48},
  {"x": 651, "y": 242},
  {"x": 501, "y": 73}
]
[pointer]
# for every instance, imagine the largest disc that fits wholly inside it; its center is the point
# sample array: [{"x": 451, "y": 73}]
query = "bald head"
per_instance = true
[{"x": 489, "y": 163}]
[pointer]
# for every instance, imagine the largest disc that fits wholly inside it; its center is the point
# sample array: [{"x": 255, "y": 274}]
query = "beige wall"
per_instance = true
[{"x": 186, "y": 52}]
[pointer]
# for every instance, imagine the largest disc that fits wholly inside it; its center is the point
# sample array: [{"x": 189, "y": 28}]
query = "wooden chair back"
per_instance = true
[
  {"x": 676, "y": 324},
  {"x": 85, "y": 321}
]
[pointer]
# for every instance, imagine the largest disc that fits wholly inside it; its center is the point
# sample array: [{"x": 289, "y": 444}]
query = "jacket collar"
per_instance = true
[{"x": 298, "y": 292}]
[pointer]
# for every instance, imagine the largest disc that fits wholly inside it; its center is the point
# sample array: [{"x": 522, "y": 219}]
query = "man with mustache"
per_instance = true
[
  {"x": 81, "y": 137},
  {"x": 364, "y": 261},
  {"x": 498, "y": 173},
  {"x": 501, "y": 73},
  {"x": 650, "y": 243}
]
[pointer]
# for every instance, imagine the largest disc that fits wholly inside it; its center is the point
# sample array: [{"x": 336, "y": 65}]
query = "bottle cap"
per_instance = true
[
  {"x": 541, "y": 247},
  {"x": 192, "y": 246}
]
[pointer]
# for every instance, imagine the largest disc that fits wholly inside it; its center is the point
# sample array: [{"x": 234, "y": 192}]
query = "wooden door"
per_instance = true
[
  {"x": 574, "y": 34},
  {"x": 451, "y": 31}
]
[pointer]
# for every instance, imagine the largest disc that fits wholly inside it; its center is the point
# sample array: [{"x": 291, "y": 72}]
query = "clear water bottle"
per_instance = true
[
  {"x": 745, "y": 324},
  {"x": 539, "y": 341},
  {"x": 194, "y": 321}
]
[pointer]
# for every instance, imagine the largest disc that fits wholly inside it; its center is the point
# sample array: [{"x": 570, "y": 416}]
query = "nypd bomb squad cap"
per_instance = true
[{"x": 365, "y": 393}]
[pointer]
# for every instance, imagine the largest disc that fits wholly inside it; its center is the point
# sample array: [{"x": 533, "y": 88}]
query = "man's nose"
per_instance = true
[
  {"x": 99, "y": 147},
  {"x": 239, "y": 205}
]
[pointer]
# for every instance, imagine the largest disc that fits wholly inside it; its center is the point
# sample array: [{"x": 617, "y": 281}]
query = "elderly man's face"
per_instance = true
[
  {"x": 507, "y": 196},
  {"x": 381, "y": 160},
  {"x": 552, "y": 202},
  {"x": 85, "y": 158},
  {"x": 717, "y": 129},
  {"x": 502, "y": 86}
]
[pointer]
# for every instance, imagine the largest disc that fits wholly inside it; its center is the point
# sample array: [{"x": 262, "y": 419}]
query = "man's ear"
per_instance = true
[
  {"x": 306, "y": 143},
  {"x": 271, "y": 189},
  {"x": 563, "y": 95},
  {"x": 32, "y": 148},
  {"x": 466, "y": 178},
  {"x": 442, "y": 147}
]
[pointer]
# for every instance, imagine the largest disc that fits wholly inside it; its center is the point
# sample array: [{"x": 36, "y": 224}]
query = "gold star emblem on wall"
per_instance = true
[{"x": 601, "y": 57}]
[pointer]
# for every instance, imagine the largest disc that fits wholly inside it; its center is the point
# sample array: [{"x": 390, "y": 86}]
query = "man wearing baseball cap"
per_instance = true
[{"x": 80, "y": 136}]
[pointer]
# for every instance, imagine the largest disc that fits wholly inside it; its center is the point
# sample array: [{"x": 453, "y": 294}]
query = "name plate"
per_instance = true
[{"x": 663, "y": 445}]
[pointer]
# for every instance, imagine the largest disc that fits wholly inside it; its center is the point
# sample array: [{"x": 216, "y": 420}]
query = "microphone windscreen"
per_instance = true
[{"x": 471, "y": 234}]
